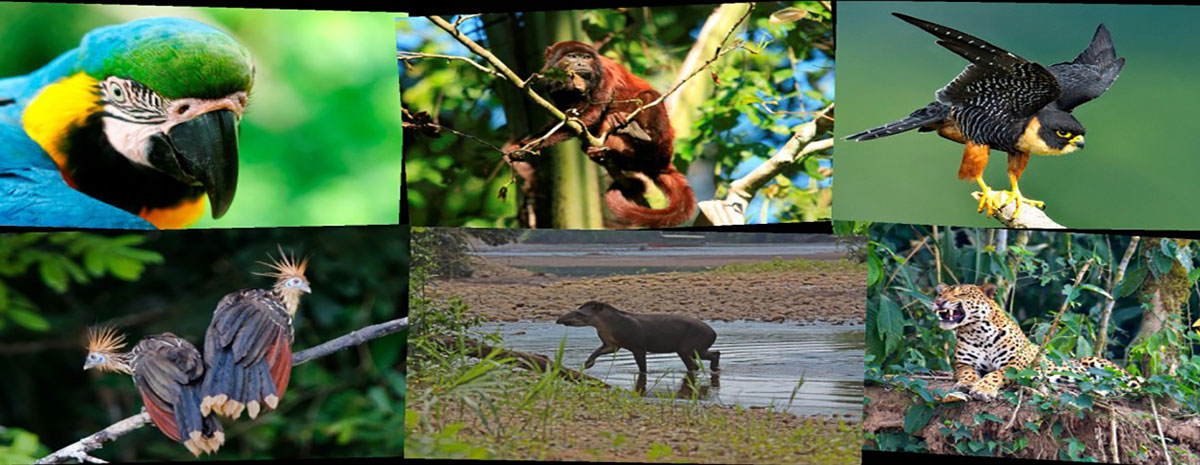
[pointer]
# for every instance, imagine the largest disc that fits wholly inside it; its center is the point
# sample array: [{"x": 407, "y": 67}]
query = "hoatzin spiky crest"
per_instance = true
[
  {"x": 248, "y": 347},
  {"x": 167, "y": 371}
]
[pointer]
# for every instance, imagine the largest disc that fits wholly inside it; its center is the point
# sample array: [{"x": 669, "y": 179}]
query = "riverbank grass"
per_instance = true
[{"x": 491, "y": 410}]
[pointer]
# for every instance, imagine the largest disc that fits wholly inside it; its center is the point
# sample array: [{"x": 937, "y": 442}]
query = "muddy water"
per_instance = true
[{"x": 761, "y": 364}]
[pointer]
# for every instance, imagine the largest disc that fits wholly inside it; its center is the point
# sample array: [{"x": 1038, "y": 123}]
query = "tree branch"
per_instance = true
[
  {"x": 1030, "y": 217},
  {"x": 1111, "y": 298},
  {"x": 409, "y": 56},
  {"x": 508, "y": 74},
  {"x": 80, "y": 448}
]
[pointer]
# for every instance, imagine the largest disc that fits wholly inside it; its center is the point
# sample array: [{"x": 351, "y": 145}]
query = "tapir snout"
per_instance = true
[{"x": 573, "y": 318}]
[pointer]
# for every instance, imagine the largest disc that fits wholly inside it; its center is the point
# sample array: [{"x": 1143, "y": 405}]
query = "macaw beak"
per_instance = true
[{"x": 203, "y": 151}]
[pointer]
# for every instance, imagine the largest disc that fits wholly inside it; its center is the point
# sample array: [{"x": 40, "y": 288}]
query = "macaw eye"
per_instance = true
[
  {"x": 116, "y": 92},
  {"x": 1063, "y": 134}
]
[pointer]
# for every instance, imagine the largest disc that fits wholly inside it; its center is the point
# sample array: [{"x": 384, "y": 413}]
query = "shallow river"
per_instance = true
[{"x": 761, "y": 364}]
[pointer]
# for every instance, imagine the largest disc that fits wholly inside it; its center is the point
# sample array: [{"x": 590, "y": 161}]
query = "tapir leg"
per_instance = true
[
  {"x": 640, "y": 357},
  {"x": 714, "y": 357},
  {"x": 603, "y": 350},
  {"x": 689, "y": 359}
]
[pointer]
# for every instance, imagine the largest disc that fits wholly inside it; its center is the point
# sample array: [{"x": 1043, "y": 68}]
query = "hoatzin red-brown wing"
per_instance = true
[
  {"x": 168, "y": 373},
  {"x": 248, "y": 351}
]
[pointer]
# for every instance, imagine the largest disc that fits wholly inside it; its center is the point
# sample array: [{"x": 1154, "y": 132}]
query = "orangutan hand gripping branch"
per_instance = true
[{"x": 602, "y": 94}]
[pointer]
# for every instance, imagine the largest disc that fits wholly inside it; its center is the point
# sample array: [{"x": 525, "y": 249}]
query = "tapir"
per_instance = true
[{"x": 655, "y": 333}]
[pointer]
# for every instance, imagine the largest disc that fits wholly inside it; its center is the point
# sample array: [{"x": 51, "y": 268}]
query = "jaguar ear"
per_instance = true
[
  {"x": 988, "y": 289},
  {"x": 941, "y": 287}
]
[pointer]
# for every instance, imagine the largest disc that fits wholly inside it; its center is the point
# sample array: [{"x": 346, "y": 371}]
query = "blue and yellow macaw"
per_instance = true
[{"x": 132, "y": 130}]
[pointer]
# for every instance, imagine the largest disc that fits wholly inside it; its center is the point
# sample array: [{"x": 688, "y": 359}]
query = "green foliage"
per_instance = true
[
  {"x": 19, "y": 446},
  {"x": 1034, "y": 279},
  {"x": 58, "y": 261}
]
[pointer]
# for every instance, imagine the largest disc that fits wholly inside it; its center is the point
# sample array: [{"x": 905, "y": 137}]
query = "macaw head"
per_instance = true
[{"x": 163, "y": 102}]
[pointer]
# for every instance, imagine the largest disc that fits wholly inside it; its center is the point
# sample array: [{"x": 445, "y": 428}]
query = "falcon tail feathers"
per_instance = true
[{"x": 930, "y": 114}]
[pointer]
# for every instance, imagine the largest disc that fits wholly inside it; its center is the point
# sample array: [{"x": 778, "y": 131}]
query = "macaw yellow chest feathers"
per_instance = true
[{"x": 144, "y": 116}]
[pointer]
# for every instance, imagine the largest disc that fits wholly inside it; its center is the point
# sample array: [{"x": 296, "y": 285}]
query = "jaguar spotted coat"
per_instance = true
[{"x": 990, "y": 342}]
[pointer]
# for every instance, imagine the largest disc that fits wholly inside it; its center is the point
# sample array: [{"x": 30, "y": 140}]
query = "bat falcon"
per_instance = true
[{"x": 1004, "y": 102}]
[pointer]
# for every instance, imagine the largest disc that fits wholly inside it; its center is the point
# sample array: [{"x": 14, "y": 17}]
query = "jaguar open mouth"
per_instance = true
[{"x": 951, "y": 316}]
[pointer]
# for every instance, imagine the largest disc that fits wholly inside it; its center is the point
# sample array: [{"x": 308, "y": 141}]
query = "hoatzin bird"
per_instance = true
[
  {"x": 167, "y": 371},
  {"x": 1004, "y": 102},
  {"x": 248, "y": 347}
]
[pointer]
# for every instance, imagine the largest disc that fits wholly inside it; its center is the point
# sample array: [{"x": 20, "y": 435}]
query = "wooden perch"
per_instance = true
[
  {"x": 480, "y": 350},
  {"x": 79, "y": 449},
  {"x": 1030, "y": 217}
]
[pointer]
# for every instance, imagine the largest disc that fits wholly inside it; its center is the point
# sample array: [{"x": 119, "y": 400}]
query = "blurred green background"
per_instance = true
[
  {"x": 1136, "y": 172},
  {"x": 54, "y": 285},
  {"x": 320, "y": 142}
]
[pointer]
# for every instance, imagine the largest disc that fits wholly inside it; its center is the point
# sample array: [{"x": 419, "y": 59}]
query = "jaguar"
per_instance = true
[{"x": 989, "y": 342}]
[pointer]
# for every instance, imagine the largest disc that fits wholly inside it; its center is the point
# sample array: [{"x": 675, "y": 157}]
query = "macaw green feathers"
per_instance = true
[{"x": 175, "y": 57}]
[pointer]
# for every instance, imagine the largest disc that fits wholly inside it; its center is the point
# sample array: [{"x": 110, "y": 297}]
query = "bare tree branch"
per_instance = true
[
  {"x": 355, "y": 337},
  {"x": 409, "y": 56},
  {"x": 1029, "y": 217},
  {"x": 511, "y": 76},
  {"x": 1111, "y": 298},
  {"x": 80, "y": 448}
]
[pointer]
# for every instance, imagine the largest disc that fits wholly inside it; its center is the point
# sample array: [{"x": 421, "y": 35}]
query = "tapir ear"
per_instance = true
[
  {"x": 941, "y": 287},
  {"x": 988, "y": 289}
]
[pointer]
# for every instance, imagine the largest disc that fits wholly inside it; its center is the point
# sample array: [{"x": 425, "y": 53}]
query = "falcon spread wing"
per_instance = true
[{"x": 1089, "y": 74}]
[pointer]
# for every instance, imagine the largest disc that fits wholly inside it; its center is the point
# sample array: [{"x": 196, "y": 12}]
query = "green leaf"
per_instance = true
[
  {"x": 26, "y": 318},
  {"x": 874, "y": 266},
  {"x": 53, "y": 275},
  {"x": 1132, "y": 282},
  {"x": 1096, "y": 289},
  {"x": 917, "y": 416},
  {"x": 889, "y": 323},
  {"x": 125, "y": 268}
]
